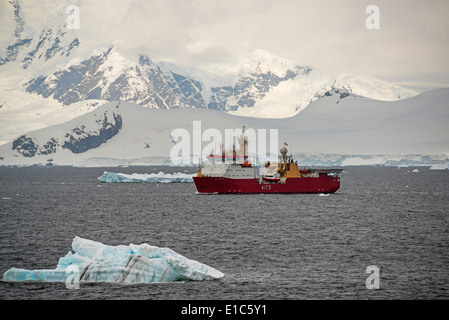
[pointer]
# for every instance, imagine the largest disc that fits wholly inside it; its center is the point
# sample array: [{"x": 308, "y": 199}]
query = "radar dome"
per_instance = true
[{"x": 284, "y": 151}]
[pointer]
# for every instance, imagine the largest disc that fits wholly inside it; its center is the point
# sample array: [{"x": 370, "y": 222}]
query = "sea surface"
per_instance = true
[{"x": 269, "y": 247}]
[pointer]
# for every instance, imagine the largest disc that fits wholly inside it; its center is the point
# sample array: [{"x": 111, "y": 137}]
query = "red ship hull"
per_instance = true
[{"x": 321, "y": 184}]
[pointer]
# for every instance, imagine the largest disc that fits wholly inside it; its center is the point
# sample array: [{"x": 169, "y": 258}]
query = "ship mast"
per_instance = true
[
  {"x": 245, "y": 145},
  {"x": 223, "y": 155},
  {"x": 245, "y": 163},
  {"x": 283, "y": 168}
]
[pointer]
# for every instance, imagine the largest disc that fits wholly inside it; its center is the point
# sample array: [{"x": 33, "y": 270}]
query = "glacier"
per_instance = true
[
  {"x": 160, "y": 177},
  {"x": 96, "y": 262}
]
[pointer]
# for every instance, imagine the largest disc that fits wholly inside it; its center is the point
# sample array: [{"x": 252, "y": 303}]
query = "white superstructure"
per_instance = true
[{"x": 226, "y": 170}]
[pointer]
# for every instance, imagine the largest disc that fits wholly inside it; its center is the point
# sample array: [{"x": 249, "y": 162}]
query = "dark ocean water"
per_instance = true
[{"x": 269, "y": 246}]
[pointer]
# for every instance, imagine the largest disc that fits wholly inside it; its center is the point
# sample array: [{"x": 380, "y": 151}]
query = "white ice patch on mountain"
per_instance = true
[
  {"x": 96, "y": 262},
  {"x": 292, "y": 96},
  {"x": 160, "y": 177}
]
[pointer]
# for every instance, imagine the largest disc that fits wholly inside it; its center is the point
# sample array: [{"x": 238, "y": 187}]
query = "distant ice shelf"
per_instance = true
[
  {"x": 440, "y": 167},
  {"x": 160, "y": 177},
  {"x": 96, "y": 262}
]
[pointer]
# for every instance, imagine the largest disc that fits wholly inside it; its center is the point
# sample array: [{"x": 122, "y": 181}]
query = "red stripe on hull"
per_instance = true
[{"x": 321, "y": 184}]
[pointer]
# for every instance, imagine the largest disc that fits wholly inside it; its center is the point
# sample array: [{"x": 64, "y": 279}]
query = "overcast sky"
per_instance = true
[{"x": 412, "y": 44}]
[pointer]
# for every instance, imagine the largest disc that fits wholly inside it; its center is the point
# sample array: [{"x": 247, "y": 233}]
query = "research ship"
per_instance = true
[{"x": 285, "y": 176}]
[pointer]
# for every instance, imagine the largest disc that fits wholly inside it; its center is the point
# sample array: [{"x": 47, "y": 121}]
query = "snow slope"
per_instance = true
[
  {"x": 356, "y": 125},
  {"x": 294, "y": 95},
  {"x": 129, "y": 134}
]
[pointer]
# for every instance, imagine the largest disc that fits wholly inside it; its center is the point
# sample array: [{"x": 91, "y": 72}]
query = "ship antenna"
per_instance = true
[{"x": 222, "y": 153}]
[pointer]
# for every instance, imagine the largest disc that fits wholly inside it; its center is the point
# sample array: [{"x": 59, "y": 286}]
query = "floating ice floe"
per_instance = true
[
  {"x": 416, "y": 170},
  {"x": 439, "y": 167},
  {"x": 160, "y": 177},
  {"x": 96, "y": 262}
]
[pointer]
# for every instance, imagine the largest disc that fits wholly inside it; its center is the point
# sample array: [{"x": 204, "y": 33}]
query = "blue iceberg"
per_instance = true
[
  {"x": 160, "y": 177},
  {"x": 96, "y": 262}
]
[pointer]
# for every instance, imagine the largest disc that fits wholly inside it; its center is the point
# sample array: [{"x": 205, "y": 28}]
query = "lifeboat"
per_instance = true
[{"x": 271, "y": 178}]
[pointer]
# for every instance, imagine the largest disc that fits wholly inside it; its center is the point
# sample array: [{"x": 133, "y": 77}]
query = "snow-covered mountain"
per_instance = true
[
  {"x": 108, "y": 76},
  {"x": 59, "y": 92},
  {"x": 351, "y": 129},
  {"x": 291, "y": 97},
  {"x": 59, "y": 65},
  {"x": 27, "y": 46},
  {"x": 251, "y": 89}
]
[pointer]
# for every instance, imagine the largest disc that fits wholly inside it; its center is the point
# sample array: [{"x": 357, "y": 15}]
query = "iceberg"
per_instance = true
[
  {"x": 160, "y": 177},
  {"x": 439, "y": 167},
  {"x": 96, "y": 262}
]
